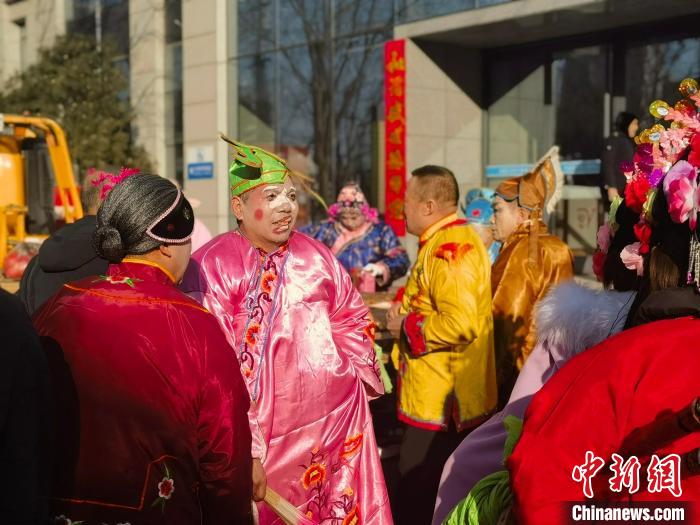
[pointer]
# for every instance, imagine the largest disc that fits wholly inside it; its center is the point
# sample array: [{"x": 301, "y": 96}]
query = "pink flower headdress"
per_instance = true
[
  {"x": 370, "y": 214},
  {"x": 106, "y": 181},
  {"x": 683, "y": 194},
  {"x": 680, "y": 184},
  {"x": 657, "y": 159}
]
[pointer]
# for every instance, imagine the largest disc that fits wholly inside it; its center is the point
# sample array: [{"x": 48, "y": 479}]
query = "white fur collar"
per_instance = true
[{"x": 572, "y": 317}]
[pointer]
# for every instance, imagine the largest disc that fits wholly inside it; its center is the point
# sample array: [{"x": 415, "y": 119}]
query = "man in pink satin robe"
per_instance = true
[{"x": 304, "y": 341}]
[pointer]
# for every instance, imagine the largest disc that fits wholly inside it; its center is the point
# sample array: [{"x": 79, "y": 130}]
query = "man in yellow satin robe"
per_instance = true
[
  {"x": 530, "y": 262},
  {"x": 447, "y": 369}
]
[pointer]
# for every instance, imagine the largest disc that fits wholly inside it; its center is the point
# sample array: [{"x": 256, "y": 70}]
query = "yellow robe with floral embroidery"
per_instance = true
[
  {"x": 446, "y": 358},
  {"x": 518, "y": 282}
]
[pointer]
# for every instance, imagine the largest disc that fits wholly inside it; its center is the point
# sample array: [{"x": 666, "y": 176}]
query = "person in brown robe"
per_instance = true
[{"x": 530, "y": 262}]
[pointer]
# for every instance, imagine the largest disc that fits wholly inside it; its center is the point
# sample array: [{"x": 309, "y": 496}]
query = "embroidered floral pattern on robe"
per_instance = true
[
  {"x": 324, "y": 507},
  {"x": 258, "y": 304}
]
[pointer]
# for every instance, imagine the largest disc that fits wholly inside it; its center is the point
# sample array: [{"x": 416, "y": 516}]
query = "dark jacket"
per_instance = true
[
  {"x": 670, "y": 303},
  {"x": 66, "y": 256},
  {"x": 617, "y": 148},
  {"x": 25, "y": 466}
]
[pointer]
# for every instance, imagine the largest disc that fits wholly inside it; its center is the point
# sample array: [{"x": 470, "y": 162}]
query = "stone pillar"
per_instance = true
[
  {"x": 208, "y": 104},
  {"x": 148, "y": 80}
]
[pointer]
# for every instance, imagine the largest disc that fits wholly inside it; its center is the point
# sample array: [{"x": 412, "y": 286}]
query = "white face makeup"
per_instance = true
[
  {"x": 268, "y": 214},
  {"x": 279, "y": 196},
  {"x": 282, "y": 206},
  {"x": 351, "y": 217}
]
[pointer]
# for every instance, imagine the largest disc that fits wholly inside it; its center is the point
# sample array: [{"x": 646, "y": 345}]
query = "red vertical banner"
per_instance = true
[{"x": 395, "y": 133}]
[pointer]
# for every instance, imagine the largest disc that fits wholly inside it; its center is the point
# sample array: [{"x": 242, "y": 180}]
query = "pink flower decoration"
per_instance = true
[
  {"x": 371, "y": 214},
  {"x": 688, "y": 121},
  {"x": 674, "y": 143},
  {"x": 604, "y": 237},
  {"x": 108, "y": 181},
  {"x": 681, "y": 188},
  {"x": 632, "y": 259},
  {"x": 334, "y": 211}
]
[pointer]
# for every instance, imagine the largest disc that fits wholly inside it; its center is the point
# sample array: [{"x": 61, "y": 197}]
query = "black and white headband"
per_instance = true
[{"x": 175, "y": 225}]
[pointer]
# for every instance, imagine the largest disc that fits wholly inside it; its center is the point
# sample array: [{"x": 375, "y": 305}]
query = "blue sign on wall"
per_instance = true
[
  {"x": 503, "y": 171},
  {"x": 200, "y": 170},
  {"x": 569, "y": 167}
]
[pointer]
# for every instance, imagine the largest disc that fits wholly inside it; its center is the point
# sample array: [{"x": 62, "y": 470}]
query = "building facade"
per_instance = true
[
  {"x": 490, "y": 84},
  {"x": 514, "y": 78},
  {"x": 147, "y": 35}
]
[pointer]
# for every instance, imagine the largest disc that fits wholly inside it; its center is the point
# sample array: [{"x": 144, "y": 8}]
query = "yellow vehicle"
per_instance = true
[{"x": 34, "y": 163}]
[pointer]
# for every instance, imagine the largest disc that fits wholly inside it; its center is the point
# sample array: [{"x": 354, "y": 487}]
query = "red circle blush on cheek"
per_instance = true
[{"x": 258, "y": 214}]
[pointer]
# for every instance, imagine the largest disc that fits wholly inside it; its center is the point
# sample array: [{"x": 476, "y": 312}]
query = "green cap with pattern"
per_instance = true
[{"x": 253, "y": 166}]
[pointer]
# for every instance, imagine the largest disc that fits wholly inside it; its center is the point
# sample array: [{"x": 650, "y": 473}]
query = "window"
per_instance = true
[
  {"x": 310, "y": 81},
  {"x": 412, "y": 10},
  {"x": 653, "y": 71}
]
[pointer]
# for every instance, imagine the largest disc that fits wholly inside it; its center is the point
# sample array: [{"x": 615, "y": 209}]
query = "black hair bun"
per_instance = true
[{"x": 108, "y": 244}]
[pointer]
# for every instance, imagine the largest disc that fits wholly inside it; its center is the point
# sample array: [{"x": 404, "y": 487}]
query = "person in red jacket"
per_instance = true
[
  {"x": 622, "y": 397},
  {"x": 151, "y": 422}
]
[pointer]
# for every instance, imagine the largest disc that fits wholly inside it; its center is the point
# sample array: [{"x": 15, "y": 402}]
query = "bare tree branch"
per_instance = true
[{"x": 332, "y": 79}]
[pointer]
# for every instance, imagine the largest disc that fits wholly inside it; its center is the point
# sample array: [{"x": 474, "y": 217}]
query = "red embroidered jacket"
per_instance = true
[{"x": 151, "y": 415}]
